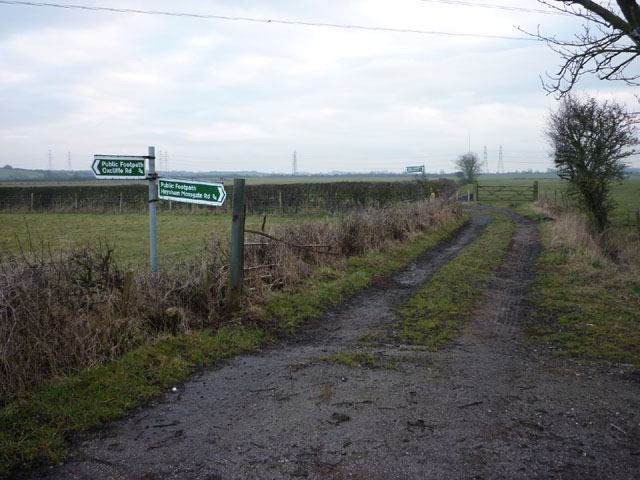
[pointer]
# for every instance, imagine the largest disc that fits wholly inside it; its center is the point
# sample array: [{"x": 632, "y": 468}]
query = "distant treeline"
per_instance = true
[{"x": 286, "y": 198}]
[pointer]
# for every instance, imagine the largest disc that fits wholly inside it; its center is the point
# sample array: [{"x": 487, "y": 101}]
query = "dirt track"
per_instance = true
[{"x": 488, "y": 407}]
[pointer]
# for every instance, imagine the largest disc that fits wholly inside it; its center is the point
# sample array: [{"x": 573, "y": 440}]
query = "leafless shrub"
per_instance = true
[
  {"x": 56, "y": 313},
  {"x": 571, "y": 229},
  {"x": 186, "y": 295},
  {"x": 301, "y": 248},
  {"x": 63, "y": 312}
]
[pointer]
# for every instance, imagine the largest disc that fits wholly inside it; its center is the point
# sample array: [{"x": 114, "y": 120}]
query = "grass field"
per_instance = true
[
  {"x": 626, "y": 194},
  {"x": 177, "y": 234},
  {"x": 180, "y": 234}
]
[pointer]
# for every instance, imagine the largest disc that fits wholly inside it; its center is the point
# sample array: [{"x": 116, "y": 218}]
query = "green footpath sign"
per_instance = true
[
  {"x": 417, "y": 169},
  {"x": 191, "y": 191},
  {"x": 118, "y": 167}
]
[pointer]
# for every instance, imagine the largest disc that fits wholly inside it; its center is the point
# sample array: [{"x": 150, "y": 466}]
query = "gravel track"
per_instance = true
[{"x": 489, "y": 407}]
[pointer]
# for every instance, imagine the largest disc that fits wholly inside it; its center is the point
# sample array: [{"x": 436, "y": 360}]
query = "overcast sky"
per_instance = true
[{"x": 219, "y": 94}]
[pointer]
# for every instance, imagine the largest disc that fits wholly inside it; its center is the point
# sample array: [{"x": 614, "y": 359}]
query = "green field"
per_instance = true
[
  {"x": 183, "y": 234},
  {"x": 626, "y": 195},
  {"x": 178, "y": 235}
]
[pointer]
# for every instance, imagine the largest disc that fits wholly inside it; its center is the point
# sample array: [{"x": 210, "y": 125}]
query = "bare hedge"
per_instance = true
[{"x": 61, "y": 312}]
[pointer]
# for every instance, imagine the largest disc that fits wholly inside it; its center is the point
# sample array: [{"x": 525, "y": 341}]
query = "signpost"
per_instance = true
[
  {"x": 192, "y": 191},
  {"x": 119, "y": 167},
  {"x": 415, "y": 169}
]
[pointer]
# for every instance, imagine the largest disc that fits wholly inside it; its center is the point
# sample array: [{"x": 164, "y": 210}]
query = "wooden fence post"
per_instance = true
[
  {"x": 236, "y": 268},
  {"x": 120, "y": 202},
  {"x": 31, "y": 206},
  {"x": 535, "y": 191},
  {"x": 475, "y": 191}
]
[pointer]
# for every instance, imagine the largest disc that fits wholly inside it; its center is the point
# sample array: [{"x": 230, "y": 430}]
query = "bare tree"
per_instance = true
[
  {"x": 469, "y": 165},
  {"x": 606, "y": 47},
  {"x": 590, "y": 141}
]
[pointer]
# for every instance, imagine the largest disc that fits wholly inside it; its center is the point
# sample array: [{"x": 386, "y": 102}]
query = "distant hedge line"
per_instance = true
[{"x": 286, "y": 198}]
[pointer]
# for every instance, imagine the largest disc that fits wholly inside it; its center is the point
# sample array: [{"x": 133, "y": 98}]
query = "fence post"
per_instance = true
[
  {"x": 475, "y": 191},
  {"x": 76, "y": 200},
  {"x": 120, "y": 202},
  {"x": 31, "y": 205},
  {"x": 236, "y": 268},
  {"x": 535, "y": 190},
  {"x": 638, "y": 219}
]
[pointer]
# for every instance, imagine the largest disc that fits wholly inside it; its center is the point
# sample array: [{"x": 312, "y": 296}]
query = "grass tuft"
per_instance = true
[{"x": 364, "y": 360}]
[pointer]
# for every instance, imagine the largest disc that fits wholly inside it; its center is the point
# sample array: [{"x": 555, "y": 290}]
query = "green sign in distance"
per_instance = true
[
  {"x": 118, "y": 167},
  {"x": 191, "y": 191},
  {"x": 418, "y": 169}
]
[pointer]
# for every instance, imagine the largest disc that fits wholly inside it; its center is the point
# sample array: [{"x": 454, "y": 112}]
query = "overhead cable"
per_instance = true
[
  {"x": 265, "y": 20},
  {"x": 497, "y": 7}
]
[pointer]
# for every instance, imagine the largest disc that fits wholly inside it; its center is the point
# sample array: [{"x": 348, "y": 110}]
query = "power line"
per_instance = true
[
  {"x": 266, "y": 20},
  {"x": 497, "y": 7}
]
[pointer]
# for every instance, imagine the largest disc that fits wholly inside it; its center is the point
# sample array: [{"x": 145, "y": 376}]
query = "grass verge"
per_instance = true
[
  {"x": 435, "y": 313},
  {"x": 585, "y": 306},
  {"x": 37, "y": 426}
]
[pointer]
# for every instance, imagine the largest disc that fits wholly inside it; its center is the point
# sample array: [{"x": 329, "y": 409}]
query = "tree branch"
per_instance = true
[{"x": 607, "y": 50}]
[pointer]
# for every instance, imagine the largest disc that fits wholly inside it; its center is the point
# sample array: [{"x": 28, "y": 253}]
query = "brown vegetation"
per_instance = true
[
  {"x": 571, "y": 230},
  {"x": 63, "y": 312}
]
